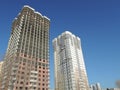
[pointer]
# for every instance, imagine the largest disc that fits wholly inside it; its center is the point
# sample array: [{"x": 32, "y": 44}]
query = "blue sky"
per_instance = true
[{"x": 96, "y": 22}]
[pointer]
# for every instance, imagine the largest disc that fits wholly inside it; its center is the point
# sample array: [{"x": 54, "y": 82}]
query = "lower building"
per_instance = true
[
  {"x": 112, "y": 89},
  {"x": 95, "y": 87}
]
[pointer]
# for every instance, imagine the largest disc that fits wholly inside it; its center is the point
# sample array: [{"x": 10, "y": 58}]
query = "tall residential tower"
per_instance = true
[
  {"x": 26, "y": 64},
  {"x": 1, "y": 63},
  {"x": 70, "y": 72}
]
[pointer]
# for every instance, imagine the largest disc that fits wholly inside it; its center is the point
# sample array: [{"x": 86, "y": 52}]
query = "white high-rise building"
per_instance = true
[{"x": 70, "y": 71}]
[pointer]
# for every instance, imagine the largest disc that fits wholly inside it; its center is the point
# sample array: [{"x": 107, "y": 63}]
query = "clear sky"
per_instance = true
[{"x": 96, "y": 22}]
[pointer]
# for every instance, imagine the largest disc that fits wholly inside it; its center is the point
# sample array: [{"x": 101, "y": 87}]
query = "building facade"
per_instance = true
[
  {"x": 1, "y": 63},
  {"x": 70, "y": 71},
  {"x": 26, "y": 63}
]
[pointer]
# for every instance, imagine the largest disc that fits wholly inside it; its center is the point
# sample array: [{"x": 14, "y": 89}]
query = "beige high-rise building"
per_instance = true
[
  {"x": 26, "y": 63},
  {"x": 1, "y": 63},
  {"x": 70, "y": 71}
]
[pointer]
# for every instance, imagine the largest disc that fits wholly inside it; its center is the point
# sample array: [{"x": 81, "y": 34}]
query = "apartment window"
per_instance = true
[
  {"x": 22, "y": 77},
  {"x": 23, "y": 68},
  {"x": 19, "y": 67},
  {"x": 34, "y": 87},
  {"x": 39, "y": 63},
  {"x": 43, "y": 84},
  {"x": 21, "y": 82},
  {"x": 32, "y": 62},
  {"x": 23, "y": 63},
  {"x": 27, "y": 78},
  {"x": 20, "y": 88},
  {"x": 25, "y": 55},
  {"x": 26, "y": 88},
  {"x": 22, "y": 72}
]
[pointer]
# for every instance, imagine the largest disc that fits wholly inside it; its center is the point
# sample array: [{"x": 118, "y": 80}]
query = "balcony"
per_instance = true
[
  {"x": 32, "y": 80},
  {"x": 15, "y": 68},
  {"x": 10, "y": 84},
  {"x": 13, "y": 79},
  {"x": 13, "y": 73},
  {"x": 34, "y": 72},
  {"x": 5, "y": 77},
  {"x": 33, "y": 85},
  {"x": 32, "y": 75}
]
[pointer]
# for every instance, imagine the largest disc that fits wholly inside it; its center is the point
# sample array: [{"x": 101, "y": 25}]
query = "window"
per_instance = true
[
  {"x": 20, "y": 88},
  {"x": 22, "y": 72},
  {"x": 26, "y": 88},
  {"x": 22, "y": 77},
  {"x": 25, "y": 55},
  {"x": 23, "y": 68},
  {"x": 21, "y": 82},
  {"x": 34, "y": 87},
  {"x": 23, "y": 63}
]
